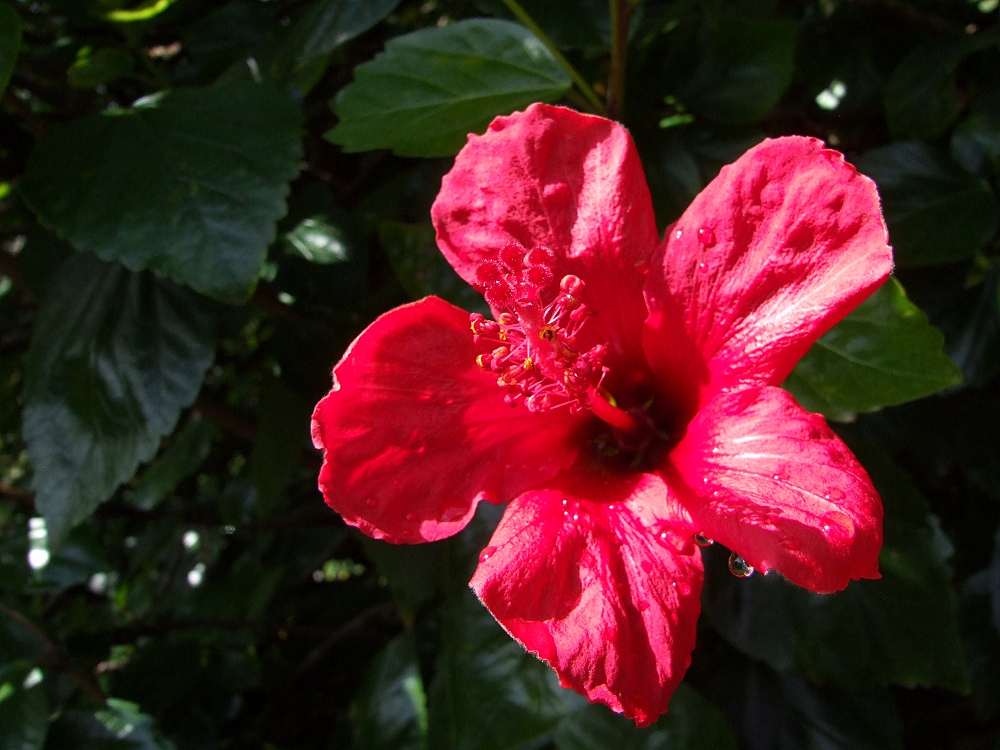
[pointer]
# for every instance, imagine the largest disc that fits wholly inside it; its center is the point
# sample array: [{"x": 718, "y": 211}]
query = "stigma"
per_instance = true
[{"x": 532, "y": 345}]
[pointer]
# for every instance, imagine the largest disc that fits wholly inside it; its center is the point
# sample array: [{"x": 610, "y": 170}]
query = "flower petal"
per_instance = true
[
  {"x": 774, "y": 484},
  {"x": 607, "y": 594},
  {"x": 776, "y": 250},
  {"x": 553, "y": 177},
  {"x": 415, "y": 434}
]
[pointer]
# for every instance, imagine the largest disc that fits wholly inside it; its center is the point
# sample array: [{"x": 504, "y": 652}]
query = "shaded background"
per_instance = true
[{"x": 202, "y": 204}]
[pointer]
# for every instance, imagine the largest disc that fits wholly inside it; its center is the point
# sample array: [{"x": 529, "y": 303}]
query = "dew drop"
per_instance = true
[
  {"x": 684, "y": 587},
  {"x": 674, "y": 617},
  {"x": 780, "y": 476},
  {"x": 678, "y": 234},
  {"x": 407, "y": 532},
  {"x": 791, "y": 543},
  {"x": 739, "y": 567},
  {"x": 371, "y": 502},
  {"x": 835, "y": 494},
  {"x": 642, "y": 605},
  {"x": 702, "y": 541},
  {"x": 487, "y": 553},
  {"x": 411, "y": 517},
  {"x": 706, "y": 236},
  {"x": 647, "y": 566},
  {"x": 451, "y": 514},
  {"x": 838, "y": 525}
]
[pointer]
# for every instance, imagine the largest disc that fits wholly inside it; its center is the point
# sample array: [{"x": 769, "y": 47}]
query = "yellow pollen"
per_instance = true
[
  {"x": 502, "y": 336},
  {"x": 528, "y": 363},
  {"x": 479, "y": 361},
  {"x": 548, "y": 333}
]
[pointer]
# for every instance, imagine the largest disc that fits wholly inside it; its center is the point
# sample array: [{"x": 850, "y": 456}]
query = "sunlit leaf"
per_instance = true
[
  {"x": 883, "y": 353},
  {"x": 115, "y": 358},
  {"x": 430, "y": 88}
]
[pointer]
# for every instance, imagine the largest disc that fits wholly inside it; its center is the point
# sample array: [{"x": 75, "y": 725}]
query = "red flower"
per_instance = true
[{"x": 625, "y": 398}]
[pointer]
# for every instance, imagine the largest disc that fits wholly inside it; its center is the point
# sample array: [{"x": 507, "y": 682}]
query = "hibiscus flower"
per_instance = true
[{"x": 624, "y": 398}]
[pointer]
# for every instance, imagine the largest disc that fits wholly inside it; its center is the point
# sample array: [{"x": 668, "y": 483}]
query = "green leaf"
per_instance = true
[
  {"x": 975, "y": 143},
  {"x": 691, "y": 723},
  {"x": 120, "y": 725},
  {"x": 330, "y": 23},
  {"x": 188, "y": 183},
  {"x": 188, "y": 450},
  {"x": 104, "y": 66},
  {"x": 922, "y": 98},
  {"x": 24, "y": 707},
  {"x": 115, "y": 357},
  {"x": 488, "y": 693},
  {"x": 969, "y": 318},
  {"x": 784, "y": 712},
  {"x": 420, "y": 266},
  {"x": 430, "y": 88},
  {"x": 10, "y": 42},
  {"x": 320, "y": 231},
  {"x": 744, "y": 66},
  {"x": 936, "y": 212},
  {"x": 390, "y": 710},
  {"x": 883, "y": 353},
  {"x": 901, "y": 629},
  {"x": 981, "y": 639},
  {"x": 411, "y": 571},
  {"x": 570, "y": 24}
]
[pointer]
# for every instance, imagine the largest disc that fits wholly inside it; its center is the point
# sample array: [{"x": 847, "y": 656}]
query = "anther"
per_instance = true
[
  {"x": 571, "y": 285},
  {"x": 548, "y": 333}
]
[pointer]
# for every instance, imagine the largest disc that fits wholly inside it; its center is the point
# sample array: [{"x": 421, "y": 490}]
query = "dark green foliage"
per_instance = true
[{"x": 202, "y": 204}]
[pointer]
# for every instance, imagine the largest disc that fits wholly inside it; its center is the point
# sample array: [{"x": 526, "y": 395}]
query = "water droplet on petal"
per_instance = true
[
  {"x": 835, "y": 494},
  {"x": 642, "y": 605},
  {"x": 647, "y": 566},
  {"x": 791, "y": 543},
  {"x": 452, "y": 514},
  {"x": 838, "y": 525},
  {"x": 684, "y": 587},
  {"x": 706, "y": 236},
  {"x": 371, "y": 502},
  {"x": 780, "y": 476},
  {"x": 407, "y": 532},
  {"x": 411, "y": 517},
  {"x": 702, "y": 541},
  {"x": 487, "y": 553},
  {"x": 678, "y": 234},
  {"x": 674, "y": 617},
  {"x": 739, "y": 567}
]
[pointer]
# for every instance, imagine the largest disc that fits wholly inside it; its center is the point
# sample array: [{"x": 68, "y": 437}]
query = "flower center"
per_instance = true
[{"x": 532, "y": 345}]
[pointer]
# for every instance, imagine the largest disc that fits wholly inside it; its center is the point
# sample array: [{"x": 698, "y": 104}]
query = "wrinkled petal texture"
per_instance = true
[
  {"x": 774, "y": 484},
  {"x": 775, "y": 251},
  {"x": 571, "y": 182},
  {"x": 606, "y": 593},
  {"x": 415, "y": 434}
]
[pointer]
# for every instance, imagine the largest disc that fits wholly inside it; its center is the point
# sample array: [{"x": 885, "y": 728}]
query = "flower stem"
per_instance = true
[
  {"x": 621, "y": 14},
  {"x": 578, "y": 79}
]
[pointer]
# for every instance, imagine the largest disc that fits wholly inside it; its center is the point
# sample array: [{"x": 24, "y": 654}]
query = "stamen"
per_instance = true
[{"x": 532, "y": 345}]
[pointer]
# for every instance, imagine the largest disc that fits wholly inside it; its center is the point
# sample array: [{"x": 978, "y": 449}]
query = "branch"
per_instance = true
[{"x": 57, "y": 659}]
